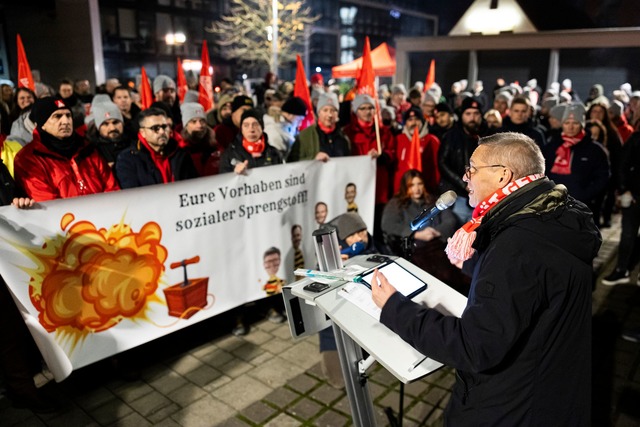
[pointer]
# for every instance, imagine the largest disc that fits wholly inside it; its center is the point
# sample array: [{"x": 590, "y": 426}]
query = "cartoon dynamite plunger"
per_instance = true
[{"x": 186, "y": 298}]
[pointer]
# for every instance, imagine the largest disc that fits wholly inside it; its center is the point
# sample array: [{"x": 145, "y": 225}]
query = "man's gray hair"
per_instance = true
[{"x": 514, "y": 150}]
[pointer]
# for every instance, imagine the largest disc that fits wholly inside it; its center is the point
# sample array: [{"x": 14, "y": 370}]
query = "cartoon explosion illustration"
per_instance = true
[{"x": 88, "y": 280}]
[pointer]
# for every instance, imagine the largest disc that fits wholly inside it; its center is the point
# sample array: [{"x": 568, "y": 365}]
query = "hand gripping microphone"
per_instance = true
[{"x": 445, "y": 201}]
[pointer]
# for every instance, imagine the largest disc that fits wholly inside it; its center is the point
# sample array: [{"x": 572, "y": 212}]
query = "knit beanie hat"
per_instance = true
[
  {"x": 360, "y": 100},
  {"x": 574, "y": 111},
  {"x": 413, "y": 112},
  {"x": 104, "y": 111},
  {"x": 191, "y": 96},
  {"x": 241, "y": 101},
  {"x": 550, "y": 102},
  {"x": 43, "y": 108},
  {"x": 328, "y": 98},
  {"x": 616, "y": 108},
  {"x": 443, "y": 107},
  {"x": 557, "y": 112},
  {"x": 398, "y": 88},
  {"x": 347, "y": 224},
  {"x": 505, "y": 95},
  {"x": 190, "y": 111},
  {"x": 163, "y": 82},
  {"x": 469, "y": 102},
  {"x": 251, "y": 113},
  {"x": 295, "y": 106}
]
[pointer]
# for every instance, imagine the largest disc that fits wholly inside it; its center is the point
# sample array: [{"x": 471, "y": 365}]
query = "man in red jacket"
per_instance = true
[
  {"x": 414, "y": 121},
  {"x": 362, "y": 134},
  {"x": 59, "y": 163}
]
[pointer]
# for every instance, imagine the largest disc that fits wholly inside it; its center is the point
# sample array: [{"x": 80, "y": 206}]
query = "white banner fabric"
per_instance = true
[{"x": 97, "y": 275}]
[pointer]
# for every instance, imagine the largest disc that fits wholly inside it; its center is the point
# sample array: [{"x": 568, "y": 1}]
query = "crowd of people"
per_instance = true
[{"x": 69, "y": 141}]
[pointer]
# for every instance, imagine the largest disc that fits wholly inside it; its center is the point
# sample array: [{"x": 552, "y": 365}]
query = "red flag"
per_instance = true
[
  {"x": 365, "y": 82},
  {"x": 415, "y": 159},
  {"x": 146, "y": 96},
  {"x": 206, "y": 82},
  {"x": 25, "y": 79},
  {"x": 431, "y": 76},
  {"x": 301, "y": 90},
  {"x": 182, "y": 82}
]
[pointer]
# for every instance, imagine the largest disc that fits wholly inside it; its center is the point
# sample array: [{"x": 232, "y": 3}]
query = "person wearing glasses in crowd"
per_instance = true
[
  {"x": 522, "y": 345},
  {"x": 361, "y": 132},
  {"x": 155, "y": 158}
]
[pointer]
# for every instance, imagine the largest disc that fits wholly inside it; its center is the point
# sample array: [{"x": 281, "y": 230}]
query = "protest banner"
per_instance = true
[{"x": 97, "y": 275}]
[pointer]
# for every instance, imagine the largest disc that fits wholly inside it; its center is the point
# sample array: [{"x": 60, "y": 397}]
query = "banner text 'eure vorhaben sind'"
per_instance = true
[{"x": 97, "y": 275}]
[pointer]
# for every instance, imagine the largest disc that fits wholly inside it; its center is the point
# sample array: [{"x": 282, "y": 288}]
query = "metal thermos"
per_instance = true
[{"x": 325, "y": 240}]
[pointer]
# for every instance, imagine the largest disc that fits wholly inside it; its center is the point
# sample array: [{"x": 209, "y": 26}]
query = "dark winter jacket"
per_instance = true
[
  {"x": 236, "y": 153},
  {"x": 526, "y": 128},
  {"x": 522, "y": 348},
  {"x": 135, "y": 167},
  {"x": 589, "y": 168}
]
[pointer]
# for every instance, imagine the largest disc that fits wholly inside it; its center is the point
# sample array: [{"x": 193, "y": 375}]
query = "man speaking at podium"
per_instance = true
[{"x": 522, "y": 348}]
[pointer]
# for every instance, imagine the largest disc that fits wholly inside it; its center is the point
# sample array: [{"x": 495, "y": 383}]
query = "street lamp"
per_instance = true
[
  {"x": 274, "y": 42},
  {"x": 175, "y": 39}
]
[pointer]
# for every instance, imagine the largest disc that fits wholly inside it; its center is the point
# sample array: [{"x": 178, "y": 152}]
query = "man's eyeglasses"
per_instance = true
[
  {"x": 156, "y": 128},
  {"x": 470, "y": 170}
]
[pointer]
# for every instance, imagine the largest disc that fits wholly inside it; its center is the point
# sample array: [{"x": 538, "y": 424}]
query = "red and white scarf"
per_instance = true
[
  {"x": 562, "y": 163},
  {"x": 254, "y": 148},
  {"x": 459, "y": 246}
]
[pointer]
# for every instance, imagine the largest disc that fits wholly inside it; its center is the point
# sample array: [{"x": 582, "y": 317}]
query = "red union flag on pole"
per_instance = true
[
  {"x": 146, "y": 97},
  {"x": 415, "y": 159},
  {"x": 25, "y": 78},
  {"x": 366, "y": 84},
  {"x": 301, "y": 90},
  {"x": 205, "y": 97},
  {"x": 431, "y": 76},
  {"x": 182, "y": 82}
]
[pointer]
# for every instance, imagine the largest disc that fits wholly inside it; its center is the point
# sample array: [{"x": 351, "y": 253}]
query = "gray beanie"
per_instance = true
[
  {"x": 104, "y": 111},
  {"x": 347, "y": 224},
  {"x": 190, "y": 111},
  {"x": 191, "y": 96},
  {"x": 360, "y": 100},
  {"x": 616, "y": 108},
  {"x": 557, "y": 112},
  {"x": 100, "y": 98},
  {"x": 398, "y": 88},
  {"x": 163, "y": 82},
  {"x": 328, "y": 99},
  {"x": 574, "y": 111},
  {"x": 550, "y": 102}
]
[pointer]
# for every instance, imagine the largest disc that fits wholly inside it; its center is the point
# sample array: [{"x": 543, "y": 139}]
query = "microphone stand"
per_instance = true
[{"x": 408, "y": 245}]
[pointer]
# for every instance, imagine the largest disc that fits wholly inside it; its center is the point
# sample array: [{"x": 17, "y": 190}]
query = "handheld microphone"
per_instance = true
[
  {"x": 445, "y": 201},
  {"x": 353, "y": 250}
]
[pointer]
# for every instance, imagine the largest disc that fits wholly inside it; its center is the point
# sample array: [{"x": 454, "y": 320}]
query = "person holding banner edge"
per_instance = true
[{"x": 521, "y": 346}]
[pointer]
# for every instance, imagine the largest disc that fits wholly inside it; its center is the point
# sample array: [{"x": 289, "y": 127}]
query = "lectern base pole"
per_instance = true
[{"x": 356, "y": 384}]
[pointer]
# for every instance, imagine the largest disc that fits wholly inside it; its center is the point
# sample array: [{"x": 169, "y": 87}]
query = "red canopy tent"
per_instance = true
[{"x": 382, "y": 57}]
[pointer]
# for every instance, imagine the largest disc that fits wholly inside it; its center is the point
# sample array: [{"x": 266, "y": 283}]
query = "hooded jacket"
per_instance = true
[{"x": 522, "y": 348}]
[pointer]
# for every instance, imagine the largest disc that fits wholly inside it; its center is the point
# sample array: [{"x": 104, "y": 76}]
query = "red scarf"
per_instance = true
[
  {"x": 161, "y": 161},
  {"x": 254, "y": 148},
  {"x": 562, "y": 163},
  {"x": 460, "y": 245},
  {"x": 325, "y": 129},
  {"x": 365, "y": 125}
]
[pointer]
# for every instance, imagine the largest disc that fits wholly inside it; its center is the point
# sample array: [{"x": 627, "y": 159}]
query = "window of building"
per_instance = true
[{"x": 127, "y": 23}]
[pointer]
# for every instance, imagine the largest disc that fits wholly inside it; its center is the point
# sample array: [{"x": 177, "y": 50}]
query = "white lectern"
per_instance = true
[{"x": 308, "y": 313}]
